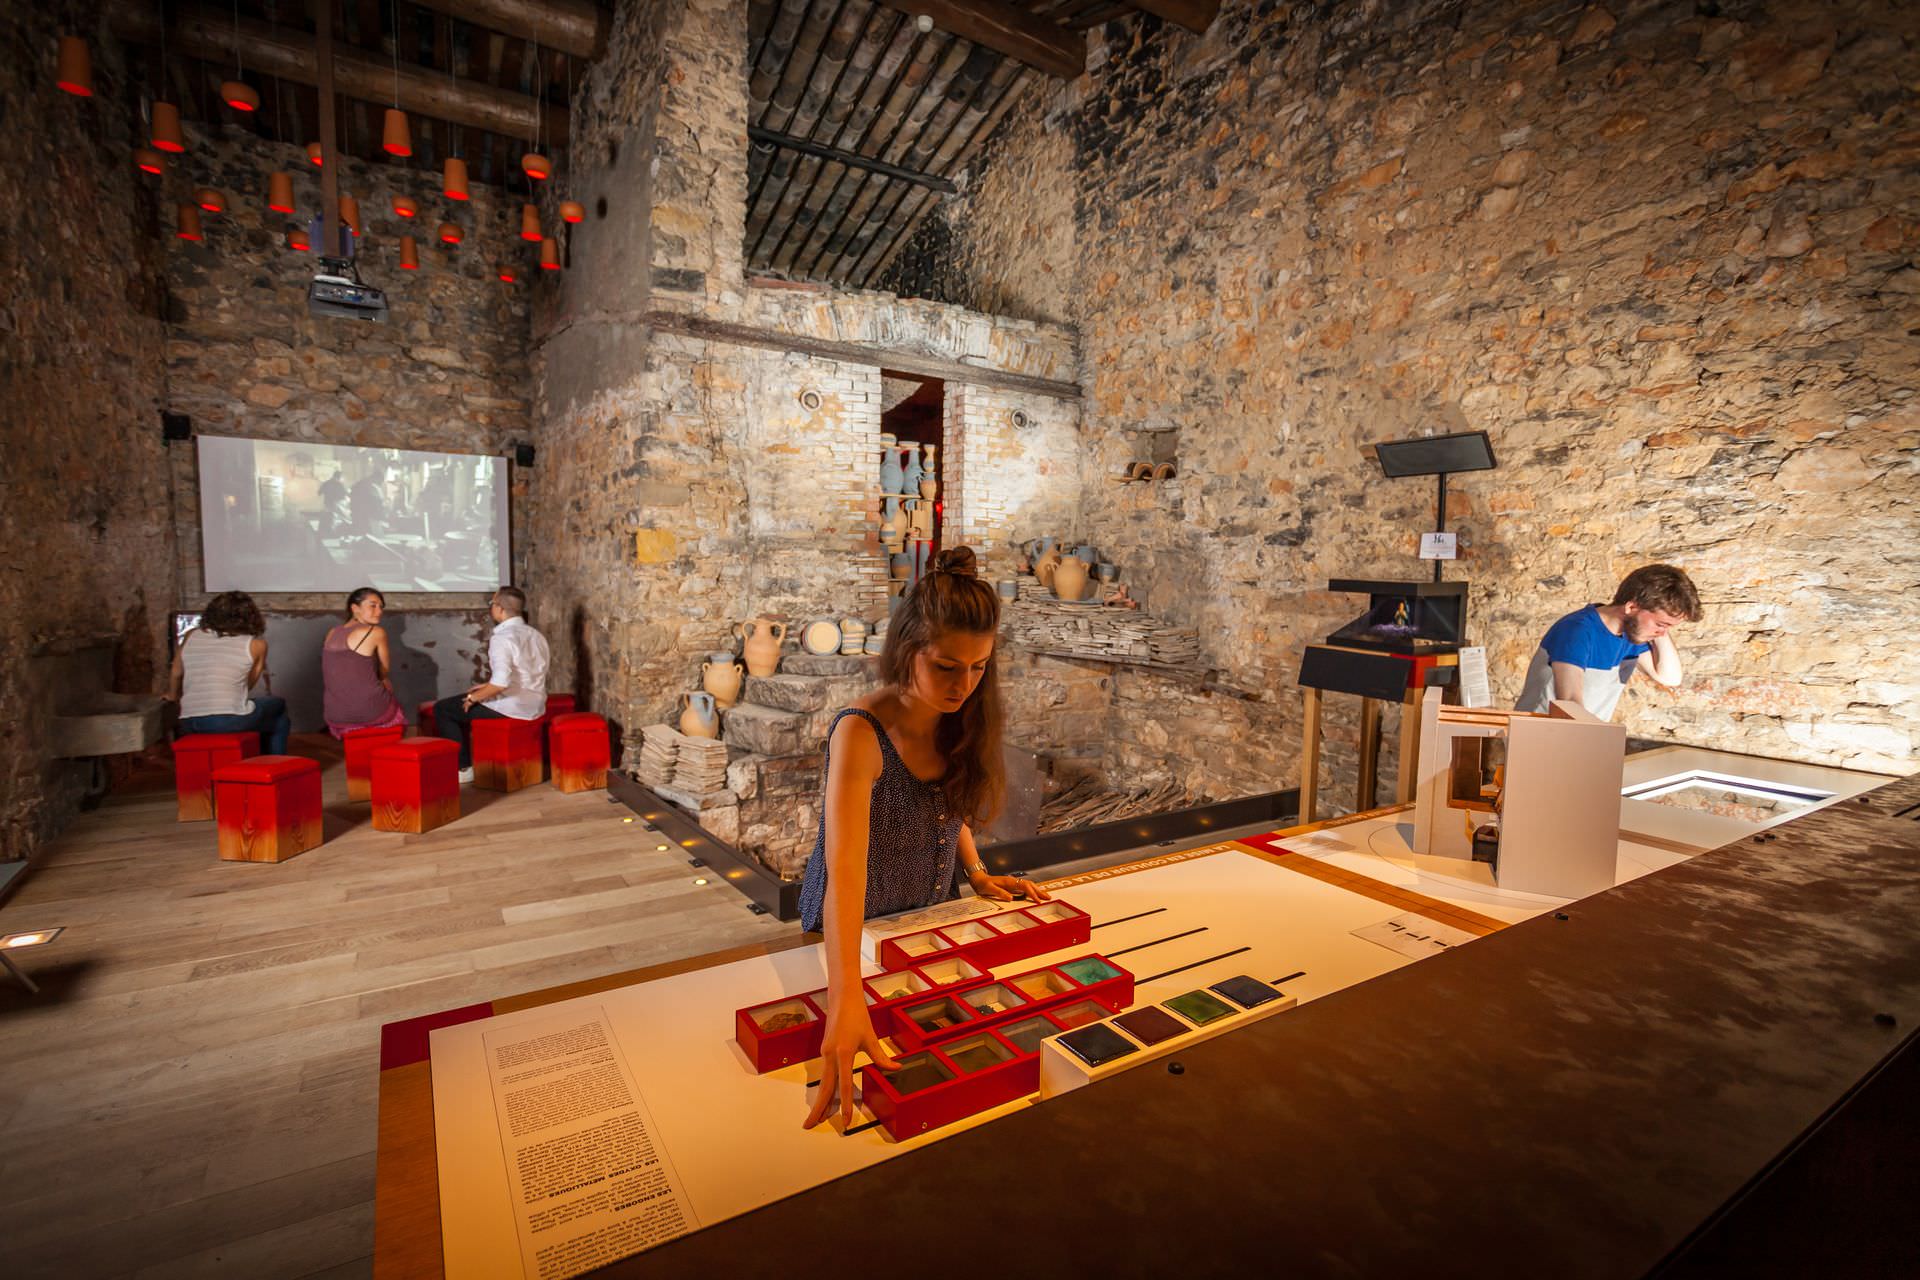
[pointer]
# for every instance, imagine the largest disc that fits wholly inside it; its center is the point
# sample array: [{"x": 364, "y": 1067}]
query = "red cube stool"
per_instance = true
[
  {"x": 581, "y": 752},
  {"x": 195, "y": 757},
  {"x": 507, "y": 753},
  {"x": 360, "y": 745},
  {"x": 269, "y": 808},
  {"x": 423, "y": 716},
  {"x": 561, "y": 704},
  {"x": 416, "y": 784}
]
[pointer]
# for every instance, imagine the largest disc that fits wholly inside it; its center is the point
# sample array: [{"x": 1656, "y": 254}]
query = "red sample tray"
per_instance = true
[
  {"x": 937, "y": 1086},
  {"x": 996, "y": 1002},
  {"x": 1006, "y": 937}
]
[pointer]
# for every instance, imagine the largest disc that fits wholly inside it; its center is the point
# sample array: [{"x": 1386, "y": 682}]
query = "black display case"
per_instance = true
[{"x": 1405, "y": 617}]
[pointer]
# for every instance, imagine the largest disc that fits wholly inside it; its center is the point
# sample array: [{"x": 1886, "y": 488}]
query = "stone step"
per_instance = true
[
  {"x": 768, "y": 730},
  {"x": 829, "y": 664},
  {"x": 804, "y": 693}
]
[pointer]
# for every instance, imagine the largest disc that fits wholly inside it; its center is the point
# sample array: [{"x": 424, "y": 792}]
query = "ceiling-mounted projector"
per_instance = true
[{"x": 337, "y": 291}]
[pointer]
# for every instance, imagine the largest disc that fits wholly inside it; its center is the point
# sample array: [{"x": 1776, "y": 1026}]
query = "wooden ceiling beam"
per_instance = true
[
  {"x": 571, "y": 26},
  {"x": 997, "y": 25},
  {"x": 1195, "y": 15},
  {"x": 279, "y": 51}
]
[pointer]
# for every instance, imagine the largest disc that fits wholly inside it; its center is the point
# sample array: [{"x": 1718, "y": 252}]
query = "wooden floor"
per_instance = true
[{"x": 193, "y": 1091}]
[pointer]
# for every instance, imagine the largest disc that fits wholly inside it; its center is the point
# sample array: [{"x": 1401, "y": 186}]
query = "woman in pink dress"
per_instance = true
[{"x": 353, "y": 665}]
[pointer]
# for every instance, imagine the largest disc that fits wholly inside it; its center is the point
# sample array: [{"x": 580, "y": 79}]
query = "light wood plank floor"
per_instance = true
[{"x": 193, "y": 1092}]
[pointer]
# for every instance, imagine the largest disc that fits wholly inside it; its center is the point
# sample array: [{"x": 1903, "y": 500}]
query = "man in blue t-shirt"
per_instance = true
[{"x": 1588, "y": 656}]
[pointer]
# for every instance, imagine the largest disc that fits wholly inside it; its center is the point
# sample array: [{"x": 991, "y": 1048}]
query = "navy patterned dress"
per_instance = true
[{"x": 913, "y": 844}]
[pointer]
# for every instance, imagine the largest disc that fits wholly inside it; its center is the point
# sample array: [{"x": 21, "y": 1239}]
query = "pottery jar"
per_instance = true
[
  {"x": 1044, "y": 567},
  {"x": 762, "y": 648},
  {"x": 891, "y": 475},
  {"x": 1070, "y": 578},
  {"x": 723, "y": 680},
  {"x": 701, "y": 719},
  {"x": 911, "y": 473}
]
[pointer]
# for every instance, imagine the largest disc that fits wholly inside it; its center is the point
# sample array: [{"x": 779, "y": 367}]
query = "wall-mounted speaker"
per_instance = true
[
  {"x": 523, "y": 455},
  {"x": 175, "y": 426}
]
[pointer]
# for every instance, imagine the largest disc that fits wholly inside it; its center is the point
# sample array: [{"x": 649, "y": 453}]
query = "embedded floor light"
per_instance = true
[
  {"x": 149, "y": 160},
  {"x": 166, "y": 128},
  {"x": 280, "y": 193},
  {"x": 395, "y": 139},
  {"x": 19, "y": 942},
  {"x": 75, "y": 73},
  {"x": 454, "y": 181},
  {"x": 239, "y": 95}
]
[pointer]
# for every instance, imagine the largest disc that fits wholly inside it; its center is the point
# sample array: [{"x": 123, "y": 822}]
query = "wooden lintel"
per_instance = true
[
  {"x": 858, "y": 353},
  {"x": 571, "y": 26},
  {"x": 997, "y": 25},
  {"x": 280, "y": 51},
  {"x": 1195, "y": 15}
]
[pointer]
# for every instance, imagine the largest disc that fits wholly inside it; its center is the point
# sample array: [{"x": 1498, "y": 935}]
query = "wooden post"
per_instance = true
[
  {"x": 1310, "y": 757},
  {"x": 1409, "y": 780},
  {"x": 329, "y": 155},
  {"x": 1369, "y": 754}
]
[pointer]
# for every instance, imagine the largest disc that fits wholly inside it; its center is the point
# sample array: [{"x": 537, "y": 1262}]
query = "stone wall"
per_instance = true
[
  {"x": 1664, "y": 258},
  {"x": 446, "y": 373},
  {"x": 89, "y": 555}
]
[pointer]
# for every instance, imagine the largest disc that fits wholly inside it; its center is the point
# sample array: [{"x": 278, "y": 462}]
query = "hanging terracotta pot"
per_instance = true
[
  {"x": 166, "y": 128},
  {"x": 1070, "y": 578},
  {"x": 297, "y": 239},
  {"x": 409, "y": 254},
  {"x": 75, "y": 73},
  {"x": 453, "y": 181},
  {"x": 350, "y": 213},
  {"x": 507, "y": 275},
  {"x": 148, "y": 160},
  {"x": 449, "y": 233},
  {"x": 530, "y": 223},
  {"x": 210, "y": 200},
  {"x": 701, "y": 718},
  {"x": 404, "y": 207},
  {"x": 239, "y": 95},
  {"x": 572, "y": 211},
  {"x": 549, "y": 254},
  {"x": 762, "y": 648},
  {"x": 280, "y": 193},
  {"x": 187, "y": 222},
  {"x": 536, "y": 166},
  {"x": 723, "y": 680},
  {"x": 316, "y": 153},
  {"x": 395, "y": 139}
]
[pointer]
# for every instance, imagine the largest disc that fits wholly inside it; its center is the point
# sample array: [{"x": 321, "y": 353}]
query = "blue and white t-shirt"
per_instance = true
[{"x": 1605, "y": 660}]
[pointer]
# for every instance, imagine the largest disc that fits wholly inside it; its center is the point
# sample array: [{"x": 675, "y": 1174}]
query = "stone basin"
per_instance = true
[{"x": 107, "y": 724}]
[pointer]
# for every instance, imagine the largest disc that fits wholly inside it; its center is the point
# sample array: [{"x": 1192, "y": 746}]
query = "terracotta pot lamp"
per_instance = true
[
  {"x": 455, "y": 182},
  {"x": 210, "y": 200},
  {"x": 549, "y": 254},
  {"x": 409, "y": 254},
  {"x": 239, "y": 95},
  {"x": 350, "y": 213},
  {"x": 506, "y": 275},
  {"x": 449, "y": 233},
  {"x": 572, "y": 211},
  {"x": 396, "y": 140},
  {"x": 404, "y": 207},
  {"x": 298, "y": 240},
  {"x": 166, "y": 128},
  {"x": 187, "y": 222},
  {"x": 530, "y": 223},
  {"x": 280, "y": 193},
  {"x": 316, "y": 153},
  {"x": 536, "y": 166},
  {"x": 149, "y": 160},
  {"x": 75, "y": 73}
]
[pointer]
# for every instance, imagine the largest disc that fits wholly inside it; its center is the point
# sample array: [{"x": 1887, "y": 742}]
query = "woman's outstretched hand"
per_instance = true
[
  {"x": 1007, "y": 888},
  {"x": 849, "y": 1032}
]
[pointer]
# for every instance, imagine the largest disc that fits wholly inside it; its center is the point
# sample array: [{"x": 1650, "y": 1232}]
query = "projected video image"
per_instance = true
[{"x": 280, "y": 516}]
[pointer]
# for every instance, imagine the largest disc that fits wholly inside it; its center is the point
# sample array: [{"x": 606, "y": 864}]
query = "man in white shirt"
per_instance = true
[{"x": 516, "y": 683}]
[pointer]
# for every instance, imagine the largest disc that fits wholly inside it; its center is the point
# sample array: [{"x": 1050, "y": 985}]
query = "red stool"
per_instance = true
[
  {"x": 423, "y": 716},
  {"x": 416, "y": 784},
  {"x": 195, "y": 757},
  {"x": 269, "y": 808},
  {"x": 507, "y": 753},
  {"x": 360, "y": 745},
  {"x": 560, "y": 704},
  {"x": 581, "y": 752}
]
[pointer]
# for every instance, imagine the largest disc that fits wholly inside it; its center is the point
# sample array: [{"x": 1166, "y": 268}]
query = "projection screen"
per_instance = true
[{"x": 280, "y": 515}]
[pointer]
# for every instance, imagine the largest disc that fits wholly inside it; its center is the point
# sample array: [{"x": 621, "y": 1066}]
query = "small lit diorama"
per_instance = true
[{"x": 1726, "y": 795}]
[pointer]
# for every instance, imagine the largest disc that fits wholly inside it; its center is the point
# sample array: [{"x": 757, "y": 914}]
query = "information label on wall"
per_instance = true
[
  {"x": 1439, "y": 546},
  {"x": 1474, "y": 690}
]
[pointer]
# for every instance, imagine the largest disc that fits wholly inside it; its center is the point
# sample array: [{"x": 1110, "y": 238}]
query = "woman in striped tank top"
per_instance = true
[
  {"x": 911, "y": 768},
  {"x": 217, "y": 664}
]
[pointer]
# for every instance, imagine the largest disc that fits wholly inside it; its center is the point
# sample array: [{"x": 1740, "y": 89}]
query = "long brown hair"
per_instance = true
[
  {"x": 232, "y": 613},
  {"x": 953, "y": 598}
]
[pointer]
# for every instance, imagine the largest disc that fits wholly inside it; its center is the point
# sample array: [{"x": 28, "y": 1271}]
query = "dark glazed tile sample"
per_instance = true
[
  {"x": 1248, "y": 993},
  {"x": 1150, "y": 1025},
  {"x": 1199, "y": 1007},
  {"x": 1097, "y": 1044}
]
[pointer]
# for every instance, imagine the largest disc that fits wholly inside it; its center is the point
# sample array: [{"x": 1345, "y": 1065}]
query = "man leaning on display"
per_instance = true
[
  {"x": 1588, "y": 656},
  {"x": 516, "y": 684}
]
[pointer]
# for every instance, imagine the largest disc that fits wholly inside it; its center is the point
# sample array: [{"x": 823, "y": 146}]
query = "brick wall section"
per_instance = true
[
  {"x": 447, "y": 373},
  {"x": 1664, "y": 258},
  {"x": 89, "y": 553}
]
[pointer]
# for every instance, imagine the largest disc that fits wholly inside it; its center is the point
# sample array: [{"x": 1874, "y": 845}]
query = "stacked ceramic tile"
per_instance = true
[
  {"x": 702, "y": 766},
  {"x": 659, "y": 754},
  {"x": 1038, "y": 620}
]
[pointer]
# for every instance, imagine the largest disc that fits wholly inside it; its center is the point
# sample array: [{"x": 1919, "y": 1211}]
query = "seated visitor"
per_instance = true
[
  {"x": 214, "y": 668},
  {"x": 516, "y": 683},
  {"x": 354, "y": 669},
  {"x": 1588, "y": 656},
  {"x": 911, "y": 768}
]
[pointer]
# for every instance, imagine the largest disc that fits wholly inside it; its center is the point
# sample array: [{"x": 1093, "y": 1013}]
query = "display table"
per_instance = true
[{"x": 1465, "y": 1066}]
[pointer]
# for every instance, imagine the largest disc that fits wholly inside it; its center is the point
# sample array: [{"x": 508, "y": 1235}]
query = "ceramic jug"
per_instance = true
[
  {"x": 762, "y": 648},
  {"x": 1044, "y": 567},
  {"x": 701, "y": 719},
  {"x": 891, "y": 475},
  {"x": 929, "y": 485},
  {"x": 1070, "y": 578},
  {"x": 911, "y": 472},
  {"x": 723, "y": 680}
]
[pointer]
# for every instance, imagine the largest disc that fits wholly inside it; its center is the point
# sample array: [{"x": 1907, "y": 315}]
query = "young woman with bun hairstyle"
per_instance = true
[{"x": 911, "y": 769}]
